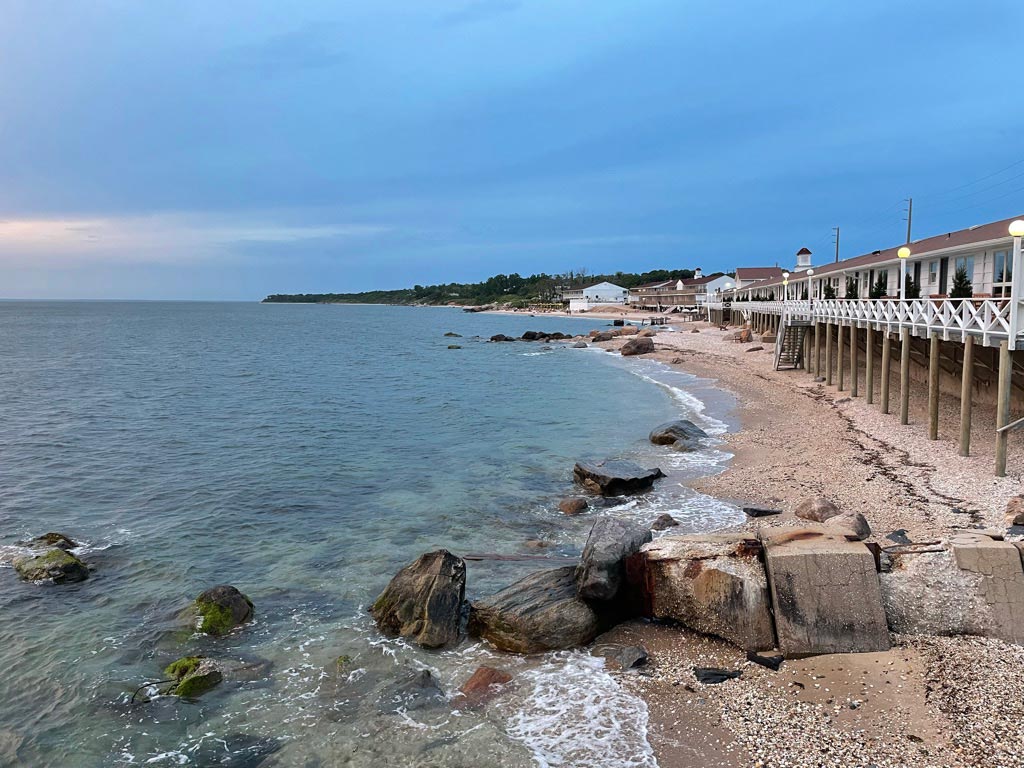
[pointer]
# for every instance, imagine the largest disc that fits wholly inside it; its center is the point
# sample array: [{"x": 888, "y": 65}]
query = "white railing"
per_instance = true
[{"x": 988, "y": 319}]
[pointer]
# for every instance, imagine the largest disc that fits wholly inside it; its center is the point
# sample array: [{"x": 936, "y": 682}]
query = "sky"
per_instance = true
[{"x": 229, "y": 150}]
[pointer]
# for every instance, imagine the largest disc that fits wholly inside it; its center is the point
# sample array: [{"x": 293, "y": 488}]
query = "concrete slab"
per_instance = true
[{"x": 1001, "y": 586}]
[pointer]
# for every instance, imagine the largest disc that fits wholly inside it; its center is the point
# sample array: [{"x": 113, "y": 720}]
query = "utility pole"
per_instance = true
[
  {"x": 836, "y": 231},
  {"x": 910, "y": 216}
]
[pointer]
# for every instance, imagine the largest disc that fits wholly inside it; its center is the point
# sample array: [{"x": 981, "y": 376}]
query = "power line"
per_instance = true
[{"x": 975, "y": 181}]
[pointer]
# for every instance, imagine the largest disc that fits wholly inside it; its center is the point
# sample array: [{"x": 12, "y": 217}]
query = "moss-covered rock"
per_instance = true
[
  {"x": 193, "y": 676},
  {"x": 221, "y": 609},
  {"x": 54, "y": 565},
  {"x": 52, "y": 539}
]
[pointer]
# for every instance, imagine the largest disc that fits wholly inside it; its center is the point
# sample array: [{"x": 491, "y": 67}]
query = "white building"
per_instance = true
[{"x": 582, "y": 299}]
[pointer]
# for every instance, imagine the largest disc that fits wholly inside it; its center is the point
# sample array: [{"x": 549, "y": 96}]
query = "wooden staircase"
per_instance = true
[{"x": 789, "y": 344}]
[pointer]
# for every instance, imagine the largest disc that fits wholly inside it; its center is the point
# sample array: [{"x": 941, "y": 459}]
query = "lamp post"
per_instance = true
[
  {"x": 810, "y": 294},
  {"x": 904, "y": 254},
  {"x": 785, "y": 287},
  {"x": 1016, "y": 232}
]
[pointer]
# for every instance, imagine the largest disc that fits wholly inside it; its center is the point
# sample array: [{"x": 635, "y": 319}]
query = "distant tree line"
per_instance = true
[{"x": 500, "y": 289}]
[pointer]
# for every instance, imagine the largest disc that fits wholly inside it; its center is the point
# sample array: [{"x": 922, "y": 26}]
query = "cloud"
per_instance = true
[
  {"x": 156, "y": 239},
  {"x": 479, "y": 10}
]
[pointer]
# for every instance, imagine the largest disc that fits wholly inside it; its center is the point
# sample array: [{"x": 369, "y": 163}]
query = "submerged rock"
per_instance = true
[
  {"x": 58, "y": 540},
  {"x": 453, "y": 335},
  {"x": 615, "y": 478},
  {"x": 542, "y": 612},
  {"x": 55, "y": 565},
  {"x": 580, "y": 345},
  {"x": 641, "y": 345},
  {"x": 417, "y": 689},
  {"x": 193, "y": 676},
  {"x": 424, "y": 600},
  {"x": 501, "y": 337},
  {"x": 683, "y": 435},
  {"x": 482, "y": 686},
  {"x": 573, "y": 505},
  {"x": 663, "y": 522},
  {"x": 602, "y": 571},
  {"x": 819, "y": 509},
  {"x": 221, "y": 609}
]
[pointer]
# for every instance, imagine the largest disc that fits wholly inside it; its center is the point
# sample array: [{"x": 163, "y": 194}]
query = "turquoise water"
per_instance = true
[{"x": 304, "y": 453}]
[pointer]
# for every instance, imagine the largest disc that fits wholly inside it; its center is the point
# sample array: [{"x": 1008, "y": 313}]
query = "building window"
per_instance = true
[
  {"x": 967, "y": 263},
  {"x": 933, "y": 272},
  {"x": 1002, "y": 274}
]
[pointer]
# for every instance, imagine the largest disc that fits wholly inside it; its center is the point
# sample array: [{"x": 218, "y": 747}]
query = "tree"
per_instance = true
[
  {"x": 851, "y": 288},
  {"x": 913, "y": 289},
  {"x": 962, "y": 288},
  {"x": 828, "y": 290},
  {"x": 881, "y": 286}
]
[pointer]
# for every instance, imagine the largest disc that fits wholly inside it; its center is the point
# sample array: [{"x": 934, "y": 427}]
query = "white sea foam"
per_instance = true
[
  {"x": 692, "y": 405},
  {"x": 577, "y": 715}
]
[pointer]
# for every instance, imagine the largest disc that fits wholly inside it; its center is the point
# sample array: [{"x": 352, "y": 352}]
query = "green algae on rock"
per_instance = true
[
  {"x": 193, "y": 676},
  {"x": 221, "y": 609},
  {"x": 55, "y": 565}
]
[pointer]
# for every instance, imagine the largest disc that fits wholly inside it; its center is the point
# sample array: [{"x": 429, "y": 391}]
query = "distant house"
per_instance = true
[
  {"x": 582, "y": 299},
  {"x": 678, "y": 295}
]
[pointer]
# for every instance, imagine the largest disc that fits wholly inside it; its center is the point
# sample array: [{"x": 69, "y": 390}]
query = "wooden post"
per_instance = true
[
  {"x": 854, "y": 349},
  {"x": 840, "y": 363},
  {"x": 905, "y": 378},
  {"x": 1003, "y": 406},
  {"x": 817, "y": 350},
  {"x": 933, "y": 387},
  {"x": 828, "y": 354},
  {"x": 966, "y": 392},
  {"x": 886, "y": 369},
  {"x": 869, "y": 363},
  {"x": 807, "y": 350}
]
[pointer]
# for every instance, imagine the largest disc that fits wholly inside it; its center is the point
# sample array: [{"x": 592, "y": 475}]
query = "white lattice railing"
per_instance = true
[{"x": 988, "y": 319}]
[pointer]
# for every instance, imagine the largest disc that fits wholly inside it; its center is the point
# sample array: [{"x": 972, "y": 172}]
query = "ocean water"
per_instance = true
[{"x": 304, "y": 453}]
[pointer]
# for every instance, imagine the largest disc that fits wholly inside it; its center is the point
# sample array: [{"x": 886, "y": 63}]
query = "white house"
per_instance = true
[{"x": 583, "y": 299}]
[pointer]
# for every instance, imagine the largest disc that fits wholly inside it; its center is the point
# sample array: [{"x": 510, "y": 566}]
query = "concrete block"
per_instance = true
[
  {"x": 1001, "y": 586},
  {"x": 825, "y": 594}
]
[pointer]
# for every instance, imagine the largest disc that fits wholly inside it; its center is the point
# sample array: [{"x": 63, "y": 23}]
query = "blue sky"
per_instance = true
[{"x": 228, "y": 150}]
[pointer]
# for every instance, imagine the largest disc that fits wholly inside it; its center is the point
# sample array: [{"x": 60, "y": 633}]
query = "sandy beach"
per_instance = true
[{"x": 930, "y": 701}]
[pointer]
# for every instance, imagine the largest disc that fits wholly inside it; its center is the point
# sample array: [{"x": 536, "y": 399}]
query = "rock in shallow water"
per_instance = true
[
  {"x": 601, "y": 572},
  {"x": 221, "y": 609},
  {"x": 683, "y": 435},
  {"x": 193, "y": 676},
  {"x": 663, "y": 522},
  {"x": 641, "y": 345},
  {"x": 573, "y": 506},
  {"x": 484, "y": 684},
  {"x": 424, "y": 600},
  {"x": 417, "y": 689},
  {"x": 540, "y": 613},
  {"x": 615, "y": 478},
  {"x": 56, "y": 565},
  {"x": 58, "y": 540}
]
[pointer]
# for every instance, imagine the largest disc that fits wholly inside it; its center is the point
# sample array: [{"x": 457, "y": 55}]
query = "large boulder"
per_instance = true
[
  {"x": 825, "y": 593},
  {"x": 628, "y": 330},
  {"x": 424, "y": 600},
  {"x": 615, "y": 478},
  {"x": 55, "y": 565},
  {"x": 604, "y": 336},
  {"x": 854, "y": 526},
  {"x": 683, "y": 435},
  {"x": 542, "y": 612},
  {"x": 220, "y": 609},
  {"x": 1015, "y": 511},
  {"x": 602, "y": 570},
  {"x": 714, "y": 584},
  {"x": 818, "y": 509},
  {"x": 641, "y": 345},
  {"x": 501, "y": 337}
]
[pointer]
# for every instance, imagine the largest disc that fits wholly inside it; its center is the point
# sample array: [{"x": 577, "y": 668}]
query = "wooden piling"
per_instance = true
[
  {"x": 869, "y": 364},
  {"x": 933, "y": 387},
  {"x": 841, "y": 361},
  {"x": 905, "y": 378},
  {"x": 1003, "y": 406},
  {"x": 966, "y": 392},
  {"x": 817, "y": 350},
  {"x": 854, "y": 349},
  {"x": 828, "y": 354},
  {"x": 886, "y": 369}
]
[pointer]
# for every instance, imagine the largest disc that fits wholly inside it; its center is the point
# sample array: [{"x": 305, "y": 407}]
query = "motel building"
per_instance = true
[
  {"x": 680, "y": 295},
  {"x": 582, "y": 299},
  {"x": 944, "y": 312}
]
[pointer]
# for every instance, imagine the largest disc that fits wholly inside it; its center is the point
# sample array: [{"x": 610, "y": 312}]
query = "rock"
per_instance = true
[
  {"x": 641, "y": 345},
  {"x": 853, "y": 526},
  {"x": 746, "y": 336},
  {"x": 604, "y": 336},
  {"x": 1015, "y": 511},
  {"x": 819, "y": 379},
  {"x": 454, "y": 346},
  {"x": 221, "y": 609},
  {"x": 615, "y": 478},
  {"x": 541, "y": 612},
  {"x": 536, "y": 544},
  {"x": 683, "y": 435},
  {"x": 532, "y": 336},
  {"x": 193, "y": 676},
  {"x": 770, "y": 660},
  {"x": 676, "y": 361},
  {"x": 415, "y": 690},
  {"x": 573, "y": 505},
  {"x": 631, "y": 657},
  {"x": 580, "y": 345},
  {"x": 648, "y": 333},
  {"x": 694, "y": 330},
  {"x": 819, "y": 509},
  {"x": 55, "y": 565},
  {"x": 58, "y": 540},
  {"x": 663, "y": 522},
  {"x": 235, "y": 750},
  {"x": 424, "y": 600},
  {"x": 713, "y": 584},
  {"x": 482, "y": 686},
  {"x": 825, "y": 594},
  {"x": 628, "y": 330},
  {"x": 757, "y": 348},
  {"x": 899, "y": 536},
  {"x": 501, "y": 337},
  {"x": 756, "y": 510},
  {"x": 713, "y": 675},
  {"x": 454, "y": 335},
  {"x": 602, "y": 569}
]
